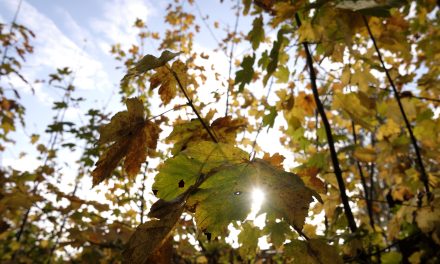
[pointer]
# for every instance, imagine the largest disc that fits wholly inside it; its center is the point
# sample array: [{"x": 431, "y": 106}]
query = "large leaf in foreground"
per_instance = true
[
  {"x": 225, "y": 196},
  {"x": 177, "y": 174},
  {"x": 131, "y": 136}
]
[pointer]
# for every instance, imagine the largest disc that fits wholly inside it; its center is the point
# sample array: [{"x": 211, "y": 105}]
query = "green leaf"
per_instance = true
[
  {"x": 392, "y": 257},
  {"x": 248, "y": 240},
  {"x": 274, "y": 55},
  {"x": 277, "y": 232},
  {"x": 282, "y": 74},
  {"x": 177, "y": 174},
  {"x": 256, "y": 35},
  {"x": 269, "y": 119},
  {"x": 245, "y": 75},
  {"x": 225, "y": 195}
]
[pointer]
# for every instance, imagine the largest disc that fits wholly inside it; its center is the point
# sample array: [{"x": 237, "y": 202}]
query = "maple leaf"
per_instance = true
[
  {"x": 312, "y": 251},
  {"x": 132, "y": 136},
  {"x": 185, "y": 168},
  {"x": 225, "y": 129},
  {"x": 225, "y": 195},
  {"x": 275, "y": 160},
  {"x": 150, "y": 236},
  {"x": 248, "y": 240},
  {"x": 256, "y": 35},
  {"x": 167, "y": 82},
  {"x": 147, "y": 63},
  {"x": 245, "y": 75}
]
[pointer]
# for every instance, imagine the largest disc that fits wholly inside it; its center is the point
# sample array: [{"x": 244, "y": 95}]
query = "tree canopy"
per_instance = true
[{"x": 344, "y": 94}]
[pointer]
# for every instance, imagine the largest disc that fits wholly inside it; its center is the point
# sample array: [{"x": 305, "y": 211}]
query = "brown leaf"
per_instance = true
[
  {"x": 275, "y": 160},
  {"x": 167, "y": 83},
  {"x": 226, "y": 128},
  {"x": 132, "y": 135},
  {"x": 151, "y": 236}
]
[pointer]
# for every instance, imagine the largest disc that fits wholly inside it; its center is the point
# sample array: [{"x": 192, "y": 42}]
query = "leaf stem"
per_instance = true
[
  {"x": 424, "y": 176},
  {"x": 328, "y": 131},
  {"x": 192, "y": 105}
]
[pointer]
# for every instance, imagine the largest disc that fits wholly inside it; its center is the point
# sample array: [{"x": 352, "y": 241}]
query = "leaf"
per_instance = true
[
  {"x": 272, "y": 65},
  {"x": 275, "y": 160},
  {"x": 269, "y": 119},
  {"x": 248, "y": 240},
  {"x": 167, "y": 82},
  {"x": 199, "y": 158},
  {"x": 256, "y": 35},
  {"x": 357, "y": 107},
  {"x": 150, "y": 236},
  {"x": 276, "y": 232},
  {"x": 246, "y": 73},
  {"x": 148, "y": 62},
  {"x": 307, "y": 33},
  {"x": 365, "y": 154},
  {"x": 132, "y": 136},
  {"x": 225, "y": 195},
  {"x": 313, "y": 251},
  {"x": 428, "y": 218},
  {"x": 282, "y": 74},
  {"x": 224, "y": 128},
  {"x": 391, "y": 257}
]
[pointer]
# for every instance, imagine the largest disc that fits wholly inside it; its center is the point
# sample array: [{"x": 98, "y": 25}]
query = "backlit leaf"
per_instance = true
[
  {"x": 132, "y": 138},
  {"x": 256, "y": 35},
  {"x": 148, "y": 62},
  {"x": 151, "y": 235},
  {"x": 199, "y": 158},
  {"x": 228, "y": 189},
  {"x": 246, "y": 73}
]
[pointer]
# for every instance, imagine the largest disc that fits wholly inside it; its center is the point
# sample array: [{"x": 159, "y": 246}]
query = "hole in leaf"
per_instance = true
[
  {"x": 155, "y": 192},
  {"x": 208, "y": 236},
  {"x": 237, "y": 193},
  {"x": 181, "y": 184}
]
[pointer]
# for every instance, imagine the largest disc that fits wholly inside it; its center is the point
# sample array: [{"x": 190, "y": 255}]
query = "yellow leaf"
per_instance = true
[
  {"x": 365, "y": 154},
  {"x": 390, "y": 128},
  {"x": 308, "y": 32},
  {"x": 166, "y": 81}
]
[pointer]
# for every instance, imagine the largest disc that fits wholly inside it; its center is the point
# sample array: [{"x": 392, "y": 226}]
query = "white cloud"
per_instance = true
[
  {"x": 117, "y": 23},
  {"x": 54, "y": 49}
]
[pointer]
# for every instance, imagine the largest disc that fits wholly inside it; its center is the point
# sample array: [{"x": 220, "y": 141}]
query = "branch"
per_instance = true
[
  {"x": 192, "y": 105},
  {"x": 328, "y": 131},
  {"x": 424, "y": 177}
]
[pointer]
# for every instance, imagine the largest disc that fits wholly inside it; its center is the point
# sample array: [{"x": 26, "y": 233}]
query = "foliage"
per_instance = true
[{"x": 348, "y": 88}]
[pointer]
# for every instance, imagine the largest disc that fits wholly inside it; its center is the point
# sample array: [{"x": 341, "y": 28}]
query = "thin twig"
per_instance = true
[
  {"x": 231, "y": 56},
  {"x": 328, "y": 131},
  {"x": 424, "y": 176},
  {"x": 363, "y": 181},
  {"x": 254, "y": 144}
]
